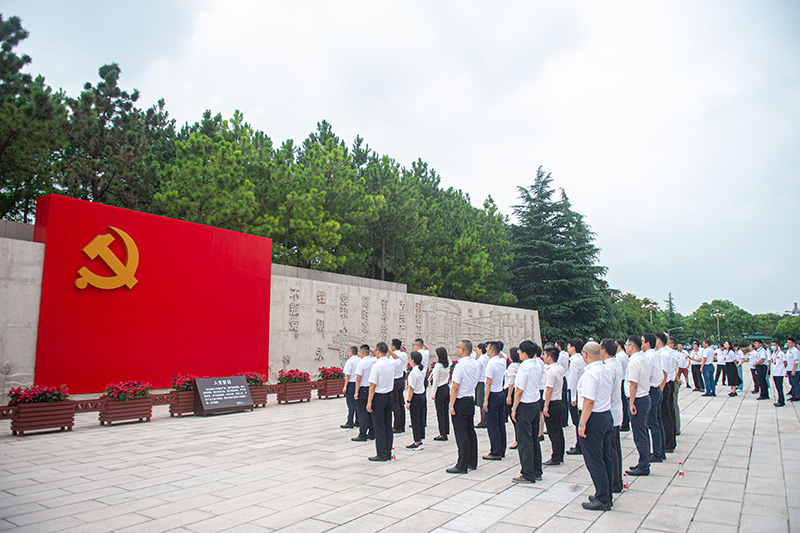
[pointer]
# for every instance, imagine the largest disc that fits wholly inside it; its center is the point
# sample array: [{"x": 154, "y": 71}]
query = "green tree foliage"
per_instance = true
[
  {"x": 555, "y": 263},
  {"x": 33, "y": 120}
]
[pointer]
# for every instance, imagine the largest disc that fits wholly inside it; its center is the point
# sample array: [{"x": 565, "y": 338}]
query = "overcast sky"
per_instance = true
[{"x": 673, "y": 126}]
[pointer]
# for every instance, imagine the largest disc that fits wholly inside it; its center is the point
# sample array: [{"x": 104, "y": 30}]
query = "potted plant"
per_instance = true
[
  {"x": 126, "y": 400},
  {"x": 258, "y": 387},
  {"x": 331, "y": 382},
  {"x": 40, "y": 407},
  {"x": 181, "y": 401},
  {"x": 296, "y": 386}
]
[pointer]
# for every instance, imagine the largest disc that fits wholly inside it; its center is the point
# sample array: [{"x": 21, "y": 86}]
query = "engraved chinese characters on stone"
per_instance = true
[
  {"x": 294, "y": 311},
  {"x": 343, "y": 301},
  {"x": 318, "y": 355},
  {"x": 321, "y": 297}
]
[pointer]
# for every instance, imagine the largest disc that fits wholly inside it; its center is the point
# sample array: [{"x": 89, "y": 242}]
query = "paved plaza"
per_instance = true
[{"x": 291, "y": 468}]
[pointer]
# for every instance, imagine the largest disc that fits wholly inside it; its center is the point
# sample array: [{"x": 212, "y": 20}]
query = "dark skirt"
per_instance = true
[{"x": 732, "y": 374}]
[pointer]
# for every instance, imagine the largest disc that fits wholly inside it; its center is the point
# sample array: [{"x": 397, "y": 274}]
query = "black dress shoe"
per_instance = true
[
  {"x": 616, "y": 490},
  {"x": 454, "y": 470},
  {"x": 378, "y": 458},
  {"x": 371, "y": 437},
  {"x": 794, "y": 399},
  {"x": 440, "y": 437},
  {"x": 625, "y": 428},
  {"x": 596, "y": 505},
  {"x": 670, "y": 450},
  {"x": 359, "y": 439},
  {"x": 551, "y": 463},
  {"x": 592, "y": 497},
  {"x": 656, "y": 459},
  {"x": 480, "y": 426},
  {"x": 573, "y": 451},
  {"x": 778, "y": 404},
  {"x": 347, "y": 426},
  {"x": 538, "y": 477},
  {"x": 763, "y": 398},
  {"x": 636, "y": 471}
]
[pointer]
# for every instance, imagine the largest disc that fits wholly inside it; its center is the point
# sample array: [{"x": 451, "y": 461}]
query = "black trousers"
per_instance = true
[
  {"x": 575, "y": 413},
  {"x": 442, "y": 402},
  {"x": 352, "y": 418},
  {"x": 597, "y": 455},
  {"x": 616, "y": 453},
  {"x": 365, "y": 426},
  {"x": 697, "y": 377},
  {"x": 528, "y": 447},
  {"x": 555, "y": 431},
  {"x": 720, "y": 371},
  {"x": 754, "y": 375},
  {"x": 495, "y": 424},
  {"x": 668, "y": 415},
  {"x": 417, "y": 422},
  {"x": 626, "y": 419},
  {"x": 382, "y": 418},
  {"x": 779, "y": 387},
  {"x": 464, "y": 430},
  {"x": 565, "y": 400},
  {"x": 641, "y": 436},
  {"x": 399, "y": 404},
  {"x": 761, "y": 374}
]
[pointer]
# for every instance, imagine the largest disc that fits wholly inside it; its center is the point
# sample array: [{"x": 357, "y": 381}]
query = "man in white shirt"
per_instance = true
[
  {"x": 779, "y": 364},
  {"x": 622, "y": 358},
  {"x": 400, "y": 357},
  {"x": 553, "y": 406},
  {"x": 670, "y": 368},
  {"x": 462, "y": 409},
  {"x": 637, "y": 388},
  {"x": 350, "y": 388},
  {"x": 596, "y": 426},
  {"x": 793, "y": 368},
  {"x": 525, "y": 412},
  {"x": 480, "y": 395},
  {"x": 494, "y": 404},
  {"x": 576, "y": 366},
  {"x": 381, "y": 387},
  {"x": 696, "y": 358},
  {"x": 563, "y": 361},
  {"x": 366, "y": 429},
  {"x": 678, "y": 358},
  {"x": 761, "y": 365},
  {"x": 608, "y": 348},
  {"x": 708, "y": 369},
  {"x": 657, "y": 381}
]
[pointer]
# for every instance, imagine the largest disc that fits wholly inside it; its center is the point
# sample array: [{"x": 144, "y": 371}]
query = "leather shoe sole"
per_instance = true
[
  {"x": 378, "y": 458},
  {"x": 454, "y": 470},
  {"x": 636, "y": 472},
  {"x": 359, "y": 439},
  {"x": 596, "y": 505},
  {"x": 574, "y": 452},
  {"x": 492, "y": 457}
]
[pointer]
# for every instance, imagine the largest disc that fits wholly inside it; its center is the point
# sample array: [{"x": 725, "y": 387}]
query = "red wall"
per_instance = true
[{"x": 200, "y": 303}]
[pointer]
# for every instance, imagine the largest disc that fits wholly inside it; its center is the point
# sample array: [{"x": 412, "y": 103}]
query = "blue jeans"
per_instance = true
[
  {"x": 741, "y": 379},
  {"x": 654, "y": 422},
  {"x": 708, "y": 378}
]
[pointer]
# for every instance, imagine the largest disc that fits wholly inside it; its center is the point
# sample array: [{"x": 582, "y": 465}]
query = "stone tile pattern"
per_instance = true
[{"x": 291, "y": 468}]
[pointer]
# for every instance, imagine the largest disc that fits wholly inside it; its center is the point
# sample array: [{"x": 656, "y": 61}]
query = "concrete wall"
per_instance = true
[
  {"x": 313, "y": 323},
  {"x": 16, "y": 230},
  {"x": 20, "y": 291},
  {"x": 314, "y": 316}
]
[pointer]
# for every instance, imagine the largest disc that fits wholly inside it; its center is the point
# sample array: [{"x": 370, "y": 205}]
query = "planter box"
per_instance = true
[
  {"x": 111, "y": 410},
  {"x": 330, "y": 388},
  {"x": 181, "y": 403},
  {"x": 292, "y": 392},
  {"x": 45, "y": 415},
  {"x": 259, "y": 395}
]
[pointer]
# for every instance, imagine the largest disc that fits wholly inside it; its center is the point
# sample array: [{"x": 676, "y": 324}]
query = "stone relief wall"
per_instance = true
[
  {"x": 313, "y": 323},
  {"x": 20, "y": 291}
]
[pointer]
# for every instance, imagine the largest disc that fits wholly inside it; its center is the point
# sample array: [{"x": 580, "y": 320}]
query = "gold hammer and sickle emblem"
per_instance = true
[{"x": 124, "y": 273}]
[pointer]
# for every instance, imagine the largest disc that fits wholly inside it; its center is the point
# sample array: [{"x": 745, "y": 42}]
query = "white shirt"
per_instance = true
[
  {"x": 466, "y": 375},
  {"x": 495, "y": 370},
  {"x": 539, "y": 361},
  {"x": 527, "y": 380},
  {"x": 708, "y": 355},
  {"x": 510, "y": 375},
  {"x": 762, "y": 353},
  {"x": 696, "y": 357},
  {"x": 639, "y": 369},
  {"x": 483, "y": 360},
  {"x": 667, "y": 363},
  {"x": 439, "y": 376},
  {"x": 576, "y": 366},
  {"x": 364, "y": 368},
  {"x": 596, "y": 384},
  {"x": 400, "y": 364},
  {"x": 616, "y": 393},
  {"x": 554, "y": 378},
  {"x": 416, "y": 380},
  {"x": 656, "y": 370},
  {"x": 563, "y": 360},
  {"x": 792, "y": 356},
  {"x": 683, "y": 359},
  {"x": 622, "y": 357},
  {"x": 350, "y": 368},
  {"x": 382, "y": 375},
  {"x": 778, "y": 359},
  {"x": 751, "y": 362},
  {"x": 425, "y": 357}
]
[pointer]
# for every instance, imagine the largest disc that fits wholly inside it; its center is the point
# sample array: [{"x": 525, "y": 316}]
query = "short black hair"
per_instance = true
[
  {"x": 495, "y": 346},
  {"x": 662, "y": 337},
  {"x": 577, "y": 343},
  {"x": 636, "y": 341},
  {"x": 354, "y": 350},
  {"x": 650, "y": 339},
  {"x": 794, "y": 340},
  {"x": 396, "y": 344},
  {"x": 561, "y": 345},
  {"x": 530, "y": 348},
  {"x": 609, "y": 345},
  {"x": 552, "y": 352},
  {"x": 381, "y": 347}
]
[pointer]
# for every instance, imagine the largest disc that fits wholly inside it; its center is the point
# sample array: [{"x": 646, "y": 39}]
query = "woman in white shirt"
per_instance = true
[
  {"x": 508, "y": 386},
  {"x": 441, "y": 392},
  {"x": 731, "y": 365},
  {"x": 416, "y": 400}
]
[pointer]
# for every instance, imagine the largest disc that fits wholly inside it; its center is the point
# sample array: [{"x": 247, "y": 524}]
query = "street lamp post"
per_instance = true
[
  {"x": 651, "y": 308},
  {"x": 718, "y": 315},
  {"x": 670, "y": 329}
]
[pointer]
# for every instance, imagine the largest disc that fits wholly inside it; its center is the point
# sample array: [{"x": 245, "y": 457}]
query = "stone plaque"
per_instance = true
[{"x": 221, "y": 395}]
